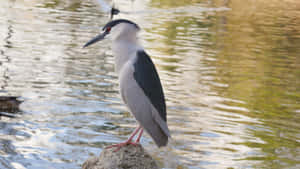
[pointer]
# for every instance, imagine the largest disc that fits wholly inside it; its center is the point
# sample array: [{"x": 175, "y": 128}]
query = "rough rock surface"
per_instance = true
[{"x": 128, "y": 157}]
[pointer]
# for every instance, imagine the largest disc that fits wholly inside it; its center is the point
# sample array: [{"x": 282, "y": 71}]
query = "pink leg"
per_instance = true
[
  {"x": 128, "y": 141},
  {"x": 137, "y": 141}
]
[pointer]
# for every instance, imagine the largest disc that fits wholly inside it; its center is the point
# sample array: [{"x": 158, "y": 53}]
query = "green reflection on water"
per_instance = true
[
  {"x": 172, "y": 4},
  {"x": 258, "y": 46},
  {"x": 259, "y": 61}
]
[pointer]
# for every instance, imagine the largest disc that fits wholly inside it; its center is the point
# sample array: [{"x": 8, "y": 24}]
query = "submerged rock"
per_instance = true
[
  {"x": 128, "y": 157},
  {"x": 9, "y": 105}
]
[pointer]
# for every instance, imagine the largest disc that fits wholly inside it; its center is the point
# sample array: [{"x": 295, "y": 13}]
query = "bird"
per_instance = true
[{"x": 140, "y": 86}]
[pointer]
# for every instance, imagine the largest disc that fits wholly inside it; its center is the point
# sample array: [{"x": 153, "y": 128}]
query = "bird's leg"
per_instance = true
[
  {"x": 137, "y": 141},
  {"x": 128, "y": 141}
]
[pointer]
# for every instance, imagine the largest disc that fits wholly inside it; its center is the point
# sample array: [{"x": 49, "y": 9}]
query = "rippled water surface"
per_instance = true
[{"x": 230, "y": 71}]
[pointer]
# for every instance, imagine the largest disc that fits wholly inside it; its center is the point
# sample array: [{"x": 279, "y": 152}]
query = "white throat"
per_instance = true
[{"x": 124, "y": 44}]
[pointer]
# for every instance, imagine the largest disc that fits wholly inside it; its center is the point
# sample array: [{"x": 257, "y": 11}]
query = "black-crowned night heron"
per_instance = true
[{"x": 140, "y": 86}]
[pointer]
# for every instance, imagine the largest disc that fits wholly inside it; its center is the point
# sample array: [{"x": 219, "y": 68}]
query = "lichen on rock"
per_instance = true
[{"x": 128, "y": 157}]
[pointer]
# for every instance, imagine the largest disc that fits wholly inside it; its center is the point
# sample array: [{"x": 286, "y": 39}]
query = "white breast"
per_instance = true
[{"x": 124, "y": 51}]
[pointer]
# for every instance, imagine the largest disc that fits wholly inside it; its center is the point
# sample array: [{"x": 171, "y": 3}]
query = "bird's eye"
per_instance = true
[{"x": 108, "y": 29}]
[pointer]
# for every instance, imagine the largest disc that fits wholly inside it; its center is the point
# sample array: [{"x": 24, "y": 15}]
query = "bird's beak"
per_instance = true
[{"x": 96, "y": 39}]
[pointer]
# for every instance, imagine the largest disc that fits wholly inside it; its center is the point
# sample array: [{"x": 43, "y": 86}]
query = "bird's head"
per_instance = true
[{"x": 120, "y": 28}]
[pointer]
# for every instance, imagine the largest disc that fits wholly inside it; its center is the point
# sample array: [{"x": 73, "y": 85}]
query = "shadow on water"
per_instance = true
[
  {"x": 230, "y": 71},
  {"x": 6, "y": 57}
]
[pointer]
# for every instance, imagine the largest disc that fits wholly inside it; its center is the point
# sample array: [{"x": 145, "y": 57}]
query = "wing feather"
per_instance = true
[{"x": 147, "y": 78}]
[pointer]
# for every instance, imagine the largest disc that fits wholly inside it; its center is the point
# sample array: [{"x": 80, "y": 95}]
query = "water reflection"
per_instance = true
[
  {"x": 230, "y": 72},
  {"x": 261, "y": 71}
]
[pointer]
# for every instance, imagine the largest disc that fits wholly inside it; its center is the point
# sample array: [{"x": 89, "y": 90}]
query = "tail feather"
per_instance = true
[{"x": 158, "y": 135}]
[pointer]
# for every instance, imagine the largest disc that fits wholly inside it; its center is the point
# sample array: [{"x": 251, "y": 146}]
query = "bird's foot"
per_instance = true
[{"x": 120, "y": 145}]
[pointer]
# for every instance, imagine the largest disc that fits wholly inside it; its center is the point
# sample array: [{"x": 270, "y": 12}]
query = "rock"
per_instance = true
[
  {"x": 128, "y": 157},
  {"x": 9, "y": 105}
]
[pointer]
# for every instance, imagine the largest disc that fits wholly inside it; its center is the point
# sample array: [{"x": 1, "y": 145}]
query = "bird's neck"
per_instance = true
[{"x": 123, "y": 51}]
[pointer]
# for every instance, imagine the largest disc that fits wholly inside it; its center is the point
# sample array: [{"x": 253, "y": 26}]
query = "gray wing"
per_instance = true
[
  {"x": 140, "y": 103},
  {"x": 147, "y": 78}
]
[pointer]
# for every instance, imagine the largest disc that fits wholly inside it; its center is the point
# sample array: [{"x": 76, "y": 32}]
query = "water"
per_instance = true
[{"x": 230, "y": 71}]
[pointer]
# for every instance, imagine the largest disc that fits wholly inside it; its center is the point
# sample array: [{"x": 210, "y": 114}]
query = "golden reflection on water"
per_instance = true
[
  {"x": 230, "y": 71},
  {"x": 243, "y": 61}
]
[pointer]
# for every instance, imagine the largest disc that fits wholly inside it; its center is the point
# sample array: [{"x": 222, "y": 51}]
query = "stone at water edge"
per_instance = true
[{"x": 128, "y": 157}]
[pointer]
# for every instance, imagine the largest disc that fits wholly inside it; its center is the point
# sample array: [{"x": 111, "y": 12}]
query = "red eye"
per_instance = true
[{"x": 108, "y": 29}]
